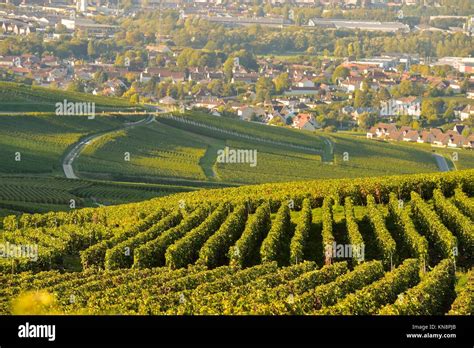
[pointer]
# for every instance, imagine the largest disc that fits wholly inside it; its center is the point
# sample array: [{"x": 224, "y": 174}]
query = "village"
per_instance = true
[{"x": 338, "y": 91}]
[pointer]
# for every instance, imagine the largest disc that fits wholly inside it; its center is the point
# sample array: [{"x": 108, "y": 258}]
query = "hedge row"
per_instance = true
[
  {"x": 370, "y": 298},
  {"x": 275, "y": 247},
  {"x": 383, "y": 238},
  {"x": 412, "y": 241},
  {"x": 121, "y": 255},
  {"x": 245, "y": 252},
  {"x": 327, "y": 231},
  {"x": 463, "y": 202},
  {"x": 462, "y": 226},
  {"x": 186, "y": 250},
  {"x": 444, "y": 241},
  {"x": 353, "y": 234},
  {"x": 430, "y": 297},
  {"x": 299, "y": 242},
  {"x": 328, "y": 294},
  {"x": 152, "y": 253},
  {"x": 94, "y": 256},
  {"x": 464, "y": 302},
  {"x": 215, "y": 251}
]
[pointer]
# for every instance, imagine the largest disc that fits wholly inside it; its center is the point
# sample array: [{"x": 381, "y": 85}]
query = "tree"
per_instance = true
[
  {"x": 366, "y": 120},
  {"x": 449, "y": 113},
  {"x": 75, "y": 86},
  {"x": 405, "y": 120},
  {"x": 430, "y": 109},
  {"x": 135, "y": 98},
  {"x": 382, "y": 95},
  {"x": 100, "y": 77},
  {"x": 406, "y": 88},
  {"x": 91, "y": 51},
  {"x": 282, "y": 83},
  {"x": 263, "y": 89},
  {"x": 228, "y": 68},
  {"x": 340, "y": 73},
  {"x": 361, "y": 99}
]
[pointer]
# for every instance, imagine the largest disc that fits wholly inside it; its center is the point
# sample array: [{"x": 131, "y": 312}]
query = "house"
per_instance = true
[
  {"x": 410, "y": 135},
  {"x": 459, "y": 128},
  {"x": 247, "y": 78},
  {"x": 163, "y": 49},
  {"x": 469, "y": 142},
  {"x": 426, "y": 137},
  {"x": 351, "y": 84},
  {"x": 248, "y": 113},
  {"x": 395, "y": 135},
  {"x": 304, "y": 121},
  {"x": 455, "y": 140},
  {"x": 209, "y": 102},
  {"x": 168, "y": 101},
  {"x": 304, "y": 82},
  {"x": 166, "y": 74},
  {"x": 467, "y": 112},
  {"x": 402, "y": 106},
  {"x": 384, "y": 129},
  {"x": 441, "y": 140}
]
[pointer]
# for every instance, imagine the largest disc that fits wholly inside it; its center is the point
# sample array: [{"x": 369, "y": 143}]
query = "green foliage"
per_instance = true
[
  {"x": 121, "y": 255},
  {"x": 430, "y": 296},
  {"x": 245, "y": 252},
  {"x": 464, "y": 302},
  {"x": 186, "y": 250},
  {"x": 353, "y": 234},
  {"x": 444, "y": 241},
  {"x": 384, "y": 240},
  {"x": 327, "y": 232},
  {"x": 152, "y": 253},
  {"x": 411, "y": 240},
  {"x": 299, "y": 242},
  {"x": 463, "y": 203},
  {"x": 215, "y": 251},
  {"x": 276, "y": 246},
  {"x": 385, "y": 290},
  {"x": 94, "y": 256},
  {"x": 459, "y": 224},
  {"x": 328, "y": 294},
  {"x": 23, "y": 98}
]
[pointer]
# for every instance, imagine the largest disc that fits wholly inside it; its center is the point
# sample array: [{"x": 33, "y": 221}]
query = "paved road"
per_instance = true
[
  {"x": 78, "y": 147},
  {"x": 441, "y": 162}
]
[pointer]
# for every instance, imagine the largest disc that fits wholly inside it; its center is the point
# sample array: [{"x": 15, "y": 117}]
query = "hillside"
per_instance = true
[
  {"x": 181, "y": 152},
  {"x": 257, "y": 250},
  {"x": 15, "y": 97},
  {"x": 186, "y": 147}
]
